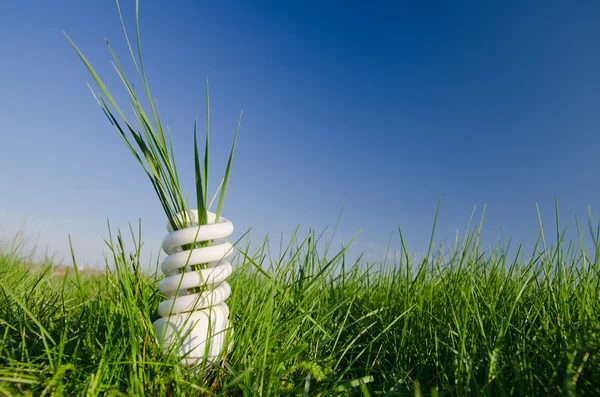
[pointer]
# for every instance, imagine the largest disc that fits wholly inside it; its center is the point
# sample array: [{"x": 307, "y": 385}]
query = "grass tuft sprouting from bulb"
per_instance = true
[{"x": 151, "y": 147}]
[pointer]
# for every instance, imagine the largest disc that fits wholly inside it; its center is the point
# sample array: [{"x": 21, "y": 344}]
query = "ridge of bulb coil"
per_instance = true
[{"x": 191, "y": 318}]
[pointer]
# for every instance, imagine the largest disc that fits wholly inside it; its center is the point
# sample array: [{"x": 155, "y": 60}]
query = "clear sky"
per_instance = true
[{"x": 374, "y": 108}]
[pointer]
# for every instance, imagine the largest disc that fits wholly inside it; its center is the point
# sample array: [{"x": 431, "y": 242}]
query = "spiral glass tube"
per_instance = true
[{"x": 195, "y": 312}]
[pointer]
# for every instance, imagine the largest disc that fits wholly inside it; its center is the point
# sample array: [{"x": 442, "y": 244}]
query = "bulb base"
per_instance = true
[{"x": 197, "y": 335}]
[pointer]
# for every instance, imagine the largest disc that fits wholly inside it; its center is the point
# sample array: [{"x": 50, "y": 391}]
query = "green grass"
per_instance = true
[
  {"x": 149, "y": 141},
  {"x": 463, "y": 321}
]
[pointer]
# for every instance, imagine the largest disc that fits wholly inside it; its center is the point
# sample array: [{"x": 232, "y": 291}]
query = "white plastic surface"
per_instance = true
[
  {"x": 188, "y": 333},
  {"x": 190, "y": 320}
]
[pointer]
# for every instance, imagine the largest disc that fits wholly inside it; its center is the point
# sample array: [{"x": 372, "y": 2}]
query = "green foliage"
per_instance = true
[
  {"x": 149, "y": 144},
  {"x": 458, "y": 322}
]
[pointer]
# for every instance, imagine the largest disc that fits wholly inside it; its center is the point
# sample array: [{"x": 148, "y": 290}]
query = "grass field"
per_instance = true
[{"x": 462, "y": 321}]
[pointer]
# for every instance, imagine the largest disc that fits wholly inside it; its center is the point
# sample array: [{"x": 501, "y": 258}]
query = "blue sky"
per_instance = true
[{"x": 376, "y": 108}]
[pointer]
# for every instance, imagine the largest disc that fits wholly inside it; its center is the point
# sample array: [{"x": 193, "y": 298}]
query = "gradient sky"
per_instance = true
[{"x": 377, "y": 109}]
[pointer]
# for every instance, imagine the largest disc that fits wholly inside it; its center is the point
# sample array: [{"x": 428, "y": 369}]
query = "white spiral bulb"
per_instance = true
[{"x": 191, "y": 319}]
